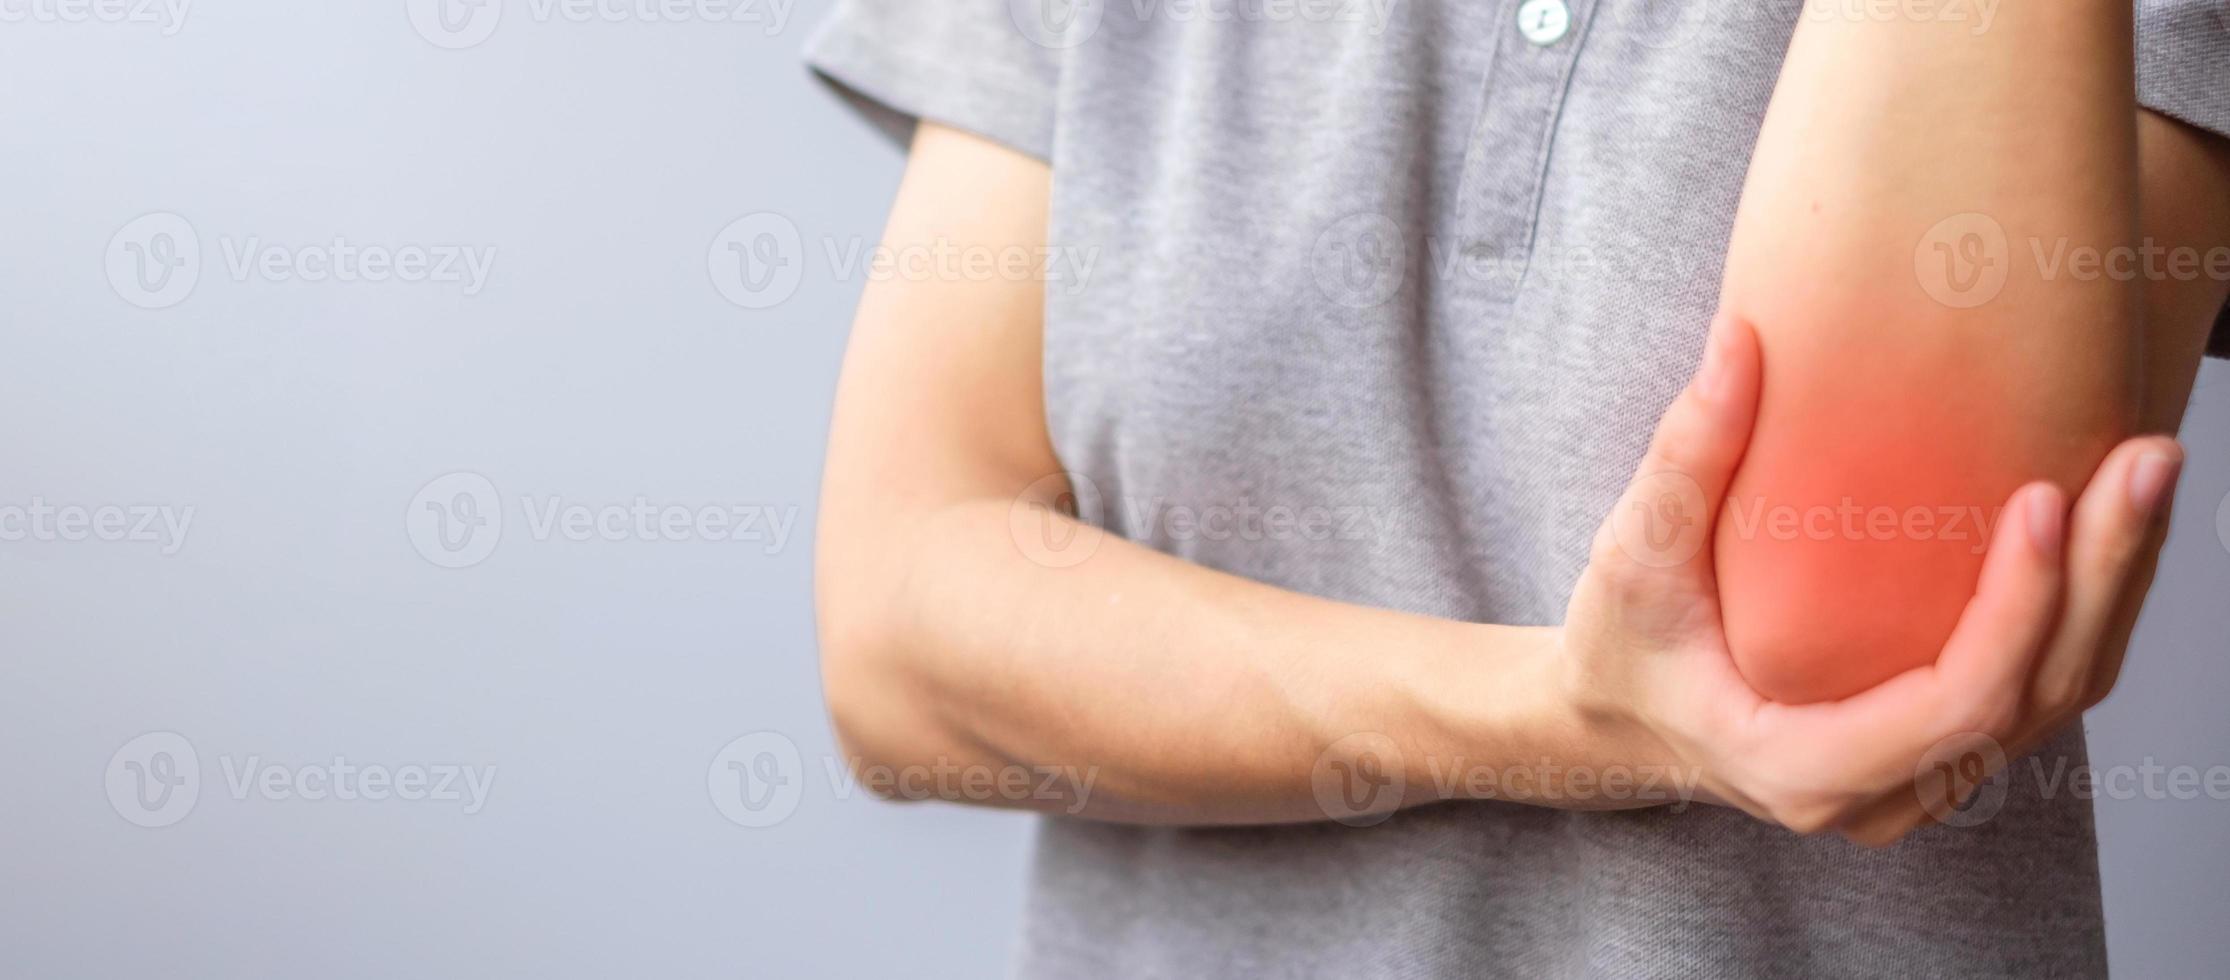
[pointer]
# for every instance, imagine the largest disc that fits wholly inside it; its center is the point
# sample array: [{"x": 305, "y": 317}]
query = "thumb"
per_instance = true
[{"x": 1665, "y": 518}]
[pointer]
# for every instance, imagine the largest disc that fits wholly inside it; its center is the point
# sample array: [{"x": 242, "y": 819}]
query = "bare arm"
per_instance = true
[
  {"x": 951, "y": 641},
  {"x": 1940, "y": 383},
  {"x": 2185, "y": 190},
  {"x": 1913, "y": 244},
  {"x": 1192, "y": 695},
  {"x": 2184, "y": 200}
]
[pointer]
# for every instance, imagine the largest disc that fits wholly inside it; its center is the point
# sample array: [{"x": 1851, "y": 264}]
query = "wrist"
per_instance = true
[{"x": 1498, "y": 719}]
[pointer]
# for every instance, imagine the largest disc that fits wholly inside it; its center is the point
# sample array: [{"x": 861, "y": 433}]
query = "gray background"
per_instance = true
[{"x": 307, "y": 613}]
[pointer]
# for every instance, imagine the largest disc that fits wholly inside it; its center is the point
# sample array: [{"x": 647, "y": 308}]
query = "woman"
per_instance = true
[{"x": 1390, "y": 306}]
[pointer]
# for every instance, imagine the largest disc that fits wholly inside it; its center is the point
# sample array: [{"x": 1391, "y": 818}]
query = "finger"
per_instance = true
[
  {"x": 1946, "y": 776},
  {"x": 2114, "y": 647},
  {"x": 1703, "y": 434},
  {"x": 1979, "y": 681},
  {"x": 1986, "y": 663},
  {"x": 2107, "y": 543},
  {"x": 2113, "y": 552},
  {"x": 1665, "y": 517},
  {"x": 1887, "y": 819}
]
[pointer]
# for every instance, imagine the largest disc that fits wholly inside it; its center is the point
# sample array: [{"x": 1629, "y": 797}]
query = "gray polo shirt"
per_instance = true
[{"x": 1422, "y": 276}]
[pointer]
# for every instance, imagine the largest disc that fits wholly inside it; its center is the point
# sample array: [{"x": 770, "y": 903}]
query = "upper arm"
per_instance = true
[{"x": 941, "y": 397}]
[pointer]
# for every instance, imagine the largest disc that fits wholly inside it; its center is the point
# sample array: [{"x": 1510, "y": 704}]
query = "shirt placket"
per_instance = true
[{"x": 1508, "y": 154}]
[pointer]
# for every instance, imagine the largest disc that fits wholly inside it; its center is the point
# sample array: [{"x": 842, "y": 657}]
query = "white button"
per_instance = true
[{"x": 1544, "y": 22}]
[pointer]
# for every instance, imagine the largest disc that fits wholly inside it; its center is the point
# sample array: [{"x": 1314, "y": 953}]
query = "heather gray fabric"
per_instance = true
[{"x": 1394, "y": 263}]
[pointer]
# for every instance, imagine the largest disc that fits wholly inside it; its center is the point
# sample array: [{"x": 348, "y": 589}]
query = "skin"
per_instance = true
[
  {"x": 2185, "y": 203},
  {"x": 1899, "y": 408},
  {"x": 1202, "y": 698}
]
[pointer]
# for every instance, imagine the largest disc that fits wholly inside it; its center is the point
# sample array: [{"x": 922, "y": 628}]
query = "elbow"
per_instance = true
[
  {"x": 873, "y": 705},
  {"x": 1854, "y": 532},
  {"x": 858, "y": 683},
  {"x": 885, "y": 726}
]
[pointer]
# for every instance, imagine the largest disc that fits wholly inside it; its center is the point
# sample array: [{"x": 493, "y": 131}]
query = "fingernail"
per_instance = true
[
  {"x": 2046, "y": 516},
  {"x": 2150, "y": 480}
]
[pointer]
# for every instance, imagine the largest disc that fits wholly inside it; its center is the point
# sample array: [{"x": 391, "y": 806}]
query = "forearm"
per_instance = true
[
  {"x": 1889, "y": 143},
  {"x": 1184, "y": 694},
  {"x": 1188, "y": 695},
  {"x": 1905, "y": 247},
  {"x": 2184, "y": 192}
]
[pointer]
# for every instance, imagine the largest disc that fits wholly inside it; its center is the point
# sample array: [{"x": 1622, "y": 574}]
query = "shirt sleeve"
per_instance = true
[
  {"x": 2183, "y": 71},
  {"x": 968, "y": 64}
]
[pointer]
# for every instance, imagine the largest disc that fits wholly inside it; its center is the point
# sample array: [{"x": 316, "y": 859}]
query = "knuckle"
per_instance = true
[
  {"x": 2062, "y": 696},
  {"x": 2114, "y": 560},
  {"x": 1883, "y": 835},
  {"x": 1673, "y": 447},
  {"x": 1994, "y": 714},
  {"x": 1622, "y": 579},
  {"x": 1663, "y": 521},
  {"x": 1604, "y": 555},
  {"x": 2095, "y": 697},
  {"x": 1615, "y": 568},
  {"x": 1807, "y": 821},
  {"x": 1809, "y": 814}
]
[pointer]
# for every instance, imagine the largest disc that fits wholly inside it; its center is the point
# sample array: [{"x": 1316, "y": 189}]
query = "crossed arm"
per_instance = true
[{"x": 1199, "y": 697}]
